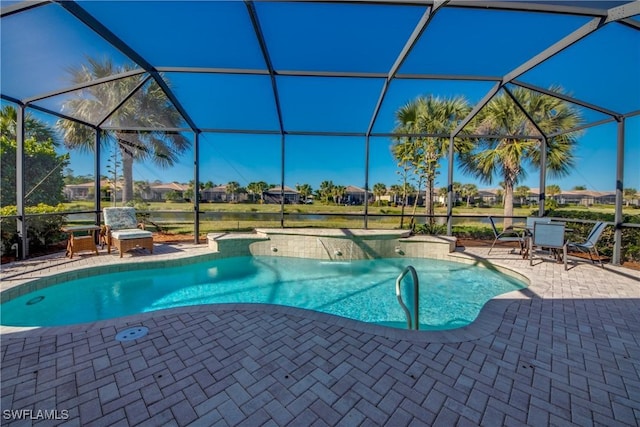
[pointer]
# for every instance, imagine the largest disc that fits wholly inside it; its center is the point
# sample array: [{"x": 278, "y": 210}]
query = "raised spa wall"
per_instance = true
[{"x": 331, "y": 244}]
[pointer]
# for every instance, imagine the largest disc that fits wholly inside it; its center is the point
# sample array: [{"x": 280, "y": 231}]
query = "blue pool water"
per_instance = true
[{"x": 451, "y": 294}]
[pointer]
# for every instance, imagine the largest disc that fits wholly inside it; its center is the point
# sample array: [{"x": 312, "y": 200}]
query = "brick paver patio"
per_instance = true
[{"x": 566, "y": 351}]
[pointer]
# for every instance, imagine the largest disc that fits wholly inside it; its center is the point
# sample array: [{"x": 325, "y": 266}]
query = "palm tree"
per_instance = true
[
  {"x": 500, "y": 196},
  {"x": 522, "y": 192},
  {"x": 469, "y": 191},
  {"x": 305, "y": 191},
  {"x": 396, "y": 190},
  {"x": 339, "y": 191},
  {"x": 326, "y": 190},
  {"x": 379, "y": 190},
  {"x": 257, "y": 188},
  {"x": 141, "y": 189},
  {"x": 443, "y": 192},
  {"x": 232, "y": 189},
  {"x": 33, "y": 128},
  {"x": 148, "y": 108},
  {"x": 507, "y": 157},
  {"x": 430, "y": 115},
  {"x": 553, "y": 190},
  {"x": 404, "y": 151},
  {"x": 629, "y": 194},
  {"x": 456, "y": 187}
]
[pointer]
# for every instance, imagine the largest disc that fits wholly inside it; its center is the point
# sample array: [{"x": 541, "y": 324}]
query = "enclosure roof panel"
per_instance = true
[
  {"x": 317, "y": 67},
  {"x": 194, "y": 33}
]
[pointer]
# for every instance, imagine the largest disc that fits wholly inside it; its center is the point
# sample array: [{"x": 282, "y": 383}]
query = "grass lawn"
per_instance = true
[
  {"x": 319, "y": 208},
  {"x": 248, "y": 216}
]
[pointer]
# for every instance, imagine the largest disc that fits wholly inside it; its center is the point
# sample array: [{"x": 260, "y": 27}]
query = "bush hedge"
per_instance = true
[{"x": 42, "y": 230}]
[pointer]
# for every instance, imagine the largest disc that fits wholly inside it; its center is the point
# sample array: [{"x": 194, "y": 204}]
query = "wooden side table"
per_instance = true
[{"x": 81, "y": 243}]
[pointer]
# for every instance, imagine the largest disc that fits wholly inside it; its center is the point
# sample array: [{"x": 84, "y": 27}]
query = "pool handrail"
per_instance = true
[{"x": 412, "y": 321}]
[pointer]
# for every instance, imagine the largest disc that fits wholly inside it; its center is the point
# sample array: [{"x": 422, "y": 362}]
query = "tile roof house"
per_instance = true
[{"x": 274, "y": 194}]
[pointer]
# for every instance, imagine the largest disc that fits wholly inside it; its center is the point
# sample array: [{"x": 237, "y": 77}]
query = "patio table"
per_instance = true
[{"x": 81, "y": 243}]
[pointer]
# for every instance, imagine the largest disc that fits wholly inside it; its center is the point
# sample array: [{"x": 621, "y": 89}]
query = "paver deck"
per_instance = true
[{"x": 564, "y": 352}]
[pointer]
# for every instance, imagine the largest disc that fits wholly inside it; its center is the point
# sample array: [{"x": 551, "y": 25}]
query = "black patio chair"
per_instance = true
[{"x": 509, "y": 235}]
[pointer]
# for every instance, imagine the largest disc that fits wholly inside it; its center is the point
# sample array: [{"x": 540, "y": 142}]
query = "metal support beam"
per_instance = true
[
  {"x": 45, "y": 110},
  {"x": 617, "y": 245},
  {"x": 123, "y": 101},
  {"x": 552, "y": 50},
  {"x": 543, "y": 176},
  {"x": 196, "y": 187},
  {"x": 566, "y": 98},
  {"x": 96, "y": 175},
  {"x": 85, "y": 85},
  {"x": 316, "y": 73},
  {"x": 21, "y": 7},
  {"x": 20, "y": 185},
  {"x": 366, "y": 181},
  {"x": 582, "y": 127},
  {"x": 404, "y": 53},
  {"x": 450, "y": 189},
  {"x": 282, "y": 167},
  {"x": 476, "y": 109},
  {"x": 555, "y": 48},
  {"x": 255, "y": 21},
  {"x": 543, "y": 152},
  {"x": 257, "y": 28},
  {"x": 99, "y": 28}
]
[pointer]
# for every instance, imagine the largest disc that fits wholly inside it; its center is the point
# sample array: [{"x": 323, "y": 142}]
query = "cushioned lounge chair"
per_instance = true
[{"x": 121, "y": 230}]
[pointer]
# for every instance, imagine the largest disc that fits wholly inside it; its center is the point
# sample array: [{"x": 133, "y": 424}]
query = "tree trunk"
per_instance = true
[
  {"x": 508, "y": 203},
  {"x": 429, "y": 193},
  {"x": 127, "y": 177},
  {"x": 404, "y": 202},
  {"x": 412, "y": 223}
]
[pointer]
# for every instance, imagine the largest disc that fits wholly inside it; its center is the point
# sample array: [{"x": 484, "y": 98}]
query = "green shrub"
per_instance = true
[
  {"x": 432, "y": 229},
  {"x": 473, "y": 232},
  {"x": 42, "y": 230}
]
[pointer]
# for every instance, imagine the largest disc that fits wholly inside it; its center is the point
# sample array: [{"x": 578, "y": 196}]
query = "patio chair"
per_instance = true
[
  {"x": 589, "y": 245},
  {"x": 548, "y": 235},
  {"x": 121, "y": 230},
  {"x": 507, "y": 236},
  {"x": 531, "y": 220}
]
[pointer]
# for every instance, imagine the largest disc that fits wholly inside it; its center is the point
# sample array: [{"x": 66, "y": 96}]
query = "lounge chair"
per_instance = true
[
  {"x": 121, "y": 230},
  {"x": 589, "y": 245},
  {"x": 507, "y": 236}
]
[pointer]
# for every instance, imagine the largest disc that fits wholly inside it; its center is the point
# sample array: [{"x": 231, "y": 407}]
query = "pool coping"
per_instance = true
[{"x": 488, "y": 320}]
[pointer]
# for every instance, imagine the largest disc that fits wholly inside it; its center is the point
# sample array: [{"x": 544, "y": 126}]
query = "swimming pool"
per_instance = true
[{"x": 451, "y": 294}]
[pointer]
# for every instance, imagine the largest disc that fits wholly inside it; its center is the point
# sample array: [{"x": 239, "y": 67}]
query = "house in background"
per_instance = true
[
  {"x": 274, "y": 195},
  {"x": 355, "y": 196},
  {"x": 219, "y": 194},
  {"x": 82, "y": 191},
  {"x": 159, "y": 192},
  {"x": 489, "y": 196},
  {"x": 587, "y": 197},
  {"x": 214, "y": 194},
  {"x": 85, "y": 191}
]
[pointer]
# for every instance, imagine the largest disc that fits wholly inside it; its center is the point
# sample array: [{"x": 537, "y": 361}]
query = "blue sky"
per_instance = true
[{"x": 602, "y": 70}]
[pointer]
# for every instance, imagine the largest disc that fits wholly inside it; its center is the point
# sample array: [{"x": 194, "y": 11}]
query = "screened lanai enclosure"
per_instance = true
[{"x": 225, "y": 115}]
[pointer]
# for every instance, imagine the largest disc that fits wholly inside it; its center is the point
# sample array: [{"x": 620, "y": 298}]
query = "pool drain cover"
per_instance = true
[{"x": 132, "y": 333}]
